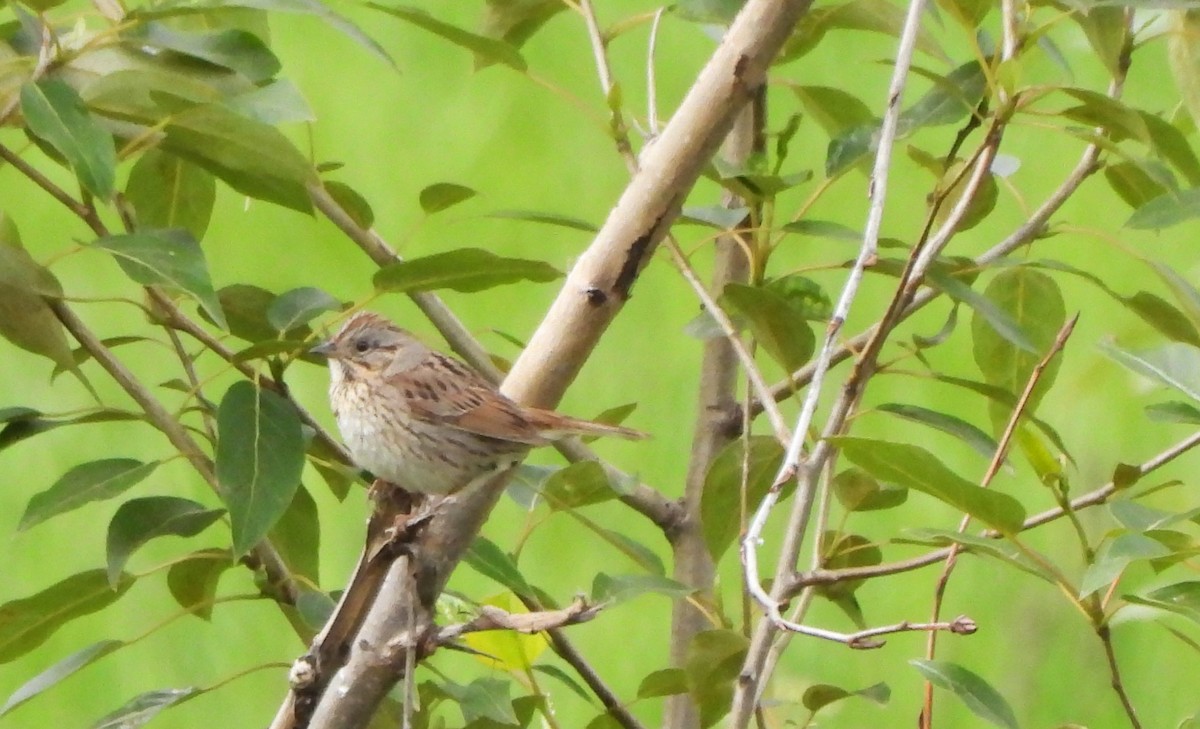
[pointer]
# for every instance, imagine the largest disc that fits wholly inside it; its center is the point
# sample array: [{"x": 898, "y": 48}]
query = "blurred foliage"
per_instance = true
[{"x": 187, "y": 140}]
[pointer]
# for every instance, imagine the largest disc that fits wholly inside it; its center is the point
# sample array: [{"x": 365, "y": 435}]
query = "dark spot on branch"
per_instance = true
[
  {"x": 595, "y": 296},
  {"x": 633, "y": 261}
]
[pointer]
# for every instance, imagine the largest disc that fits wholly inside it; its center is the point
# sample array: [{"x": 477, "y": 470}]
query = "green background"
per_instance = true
[{"x": 537, "y": 142}]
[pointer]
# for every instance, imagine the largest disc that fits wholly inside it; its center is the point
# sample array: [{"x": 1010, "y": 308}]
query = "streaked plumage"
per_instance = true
[{"x": 425, "y": 421}]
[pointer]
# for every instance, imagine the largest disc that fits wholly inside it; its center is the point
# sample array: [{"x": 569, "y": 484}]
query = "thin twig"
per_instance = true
[
  {"x": 1095, "y": 497},
  {"x": 619, "y": 131},
  {"x": 791, "y": 467},
  {"x": 493, "y": 618},
  {"x": 651, "y": 80},
  {"x": 1114, "y": 670},
  {"x": 753, "y": 375},
  {"x": 79, "y": 209},
  {"x": 567, "y": 651},
  {"x": 1001, "y": 452},
  {"x": 177, "y": 320}
]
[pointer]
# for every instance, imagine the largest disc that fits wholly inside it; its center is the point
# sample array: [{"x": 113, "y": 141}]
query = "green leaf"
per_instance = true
[
  {"x": 442, "y": 195},
  {"x": 718, "y": 217},
  {"x": 844, "y": 551},
  {"x": 193, "y": 581},
  {"x": 1166, "y": 210},
  {"x": 714, "y": 659},
  {"x": 1172, "y": 146},
  {"x": 1132, "y": 183},
  {"x": 820, "y": 695},
  {"x": 978, "y": 695},
  {"x": 969, "y": 13},
  {"x": 297, "y": 537},
  {"x": 1097, "y": 109},
  {"x": 778, "y": 325},
  {"x": 1174, "y": 412},
  {"x": 663, "y": 682},
  {"x": 996, "y": 314},
  {"x": 355, "y": 205},
  {"x": 1184, "y": 292},
  {"x": 1165, "y": 318},
  {"x": 139, "y": 710},
  {"x": 28, "y": 425},
  {"x": 857, "y": 490},
  {"x": 278, "y": 102},
  {"x": 315, "y": 608},
  {"x": 26, "y": 623},
  {"x": 486, "y": 558},
  {"x": 1181, "y": 598},
  {"x": 579, "y": 484},
  {"x": 996, "y": 548},
  {"x": 260, "y": 454},
  {"x": 620, "y": 588},
  {"x": 61, "y": 670},
  {"x": 485, "y": 49},
  {"x": 835, "y": 110},
  {"x": 466, "y": 269},
  {"x": 484, "y": 698},
  {"x": 169, "y": 192},
  {"x": 717, "y": 12},
  {"x": 876, "y": 16},
  {"x": 562, "y": 221},
  {"x": 952, "y": 98},
  {"x": 169, "y": 258},
  {"x": 137, "y": 521},
  {"x": 26, "y": 319},
  {"x": 640, "y": 554},
  {"x": 980, "y": 442},
  {"x": 56, "y": 114},
  {"x": 295, "y": 308},
  {"x": 251, "y": 157},
  {"x": 1183, "y": 53},
  {"x": 245, "y": 307},
  {"x": 93, "y": 481},
  {"x": 565, "y": 678},
  {"x": 721, "y": 499},
  {"x": 1116, "y": 556},
  {"x": 236, "y": 50},
  {"x": 1033, "y": 302},
  {"x": 1173, "y": 365},
  {"x": 916, "y": 468},
  {"x": 1105, "y": 31},
  {"x": 515, "y": 21}
]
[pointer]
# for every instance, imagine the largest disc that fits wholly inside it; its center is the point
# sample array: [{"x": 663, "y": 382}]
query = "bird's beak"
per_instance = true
[{"x": 324, "y": 348}]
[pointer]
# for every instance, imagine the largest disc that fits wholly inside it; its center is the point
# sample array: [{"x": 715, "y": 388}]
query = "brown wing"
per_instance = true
[{"x": 444, "y": 391}]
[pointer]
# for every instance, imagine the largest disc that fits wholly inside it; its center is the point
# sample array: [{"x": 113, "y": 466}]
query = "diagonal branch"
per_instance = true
[{"x": 595, "y": 290}]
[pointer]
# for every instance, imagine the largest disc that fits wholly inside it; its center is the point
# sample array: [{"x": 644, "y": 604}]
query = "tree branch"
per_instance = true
[
  {"x": 594, "y": 291},
  {"x": 263, "y": 553}
]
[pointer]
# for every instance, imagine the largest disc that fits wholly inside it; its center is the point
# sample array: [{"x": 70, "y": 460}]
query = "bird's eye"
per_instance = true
[{"x": 362, "y": 345}]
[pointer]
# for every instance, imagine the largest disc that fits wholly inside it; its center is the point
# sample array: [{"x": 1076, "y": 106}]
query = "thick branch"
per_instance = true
[
  {"x": 594, "y": 292},
  {"x": 602, "y": 280}
]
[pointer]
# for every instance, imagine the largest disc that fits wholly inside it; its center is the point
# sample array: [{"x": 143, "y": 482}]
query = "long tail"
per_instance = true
[{"x": 555, "y": 426}]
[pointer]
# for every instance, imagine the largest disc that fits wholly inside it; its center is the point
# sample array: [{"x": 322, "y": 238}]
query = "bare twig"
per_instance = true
[
  {"x": 1114, "y": 670},
  {"x": 594, "y": 292},
  {"x": 493, "y": 618},
  {"x": 567, "y": 651},
  {"x": 652, "y": 82},
  {"x": 782, "y": 432},
  {"x": 792, "y": 467}
]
